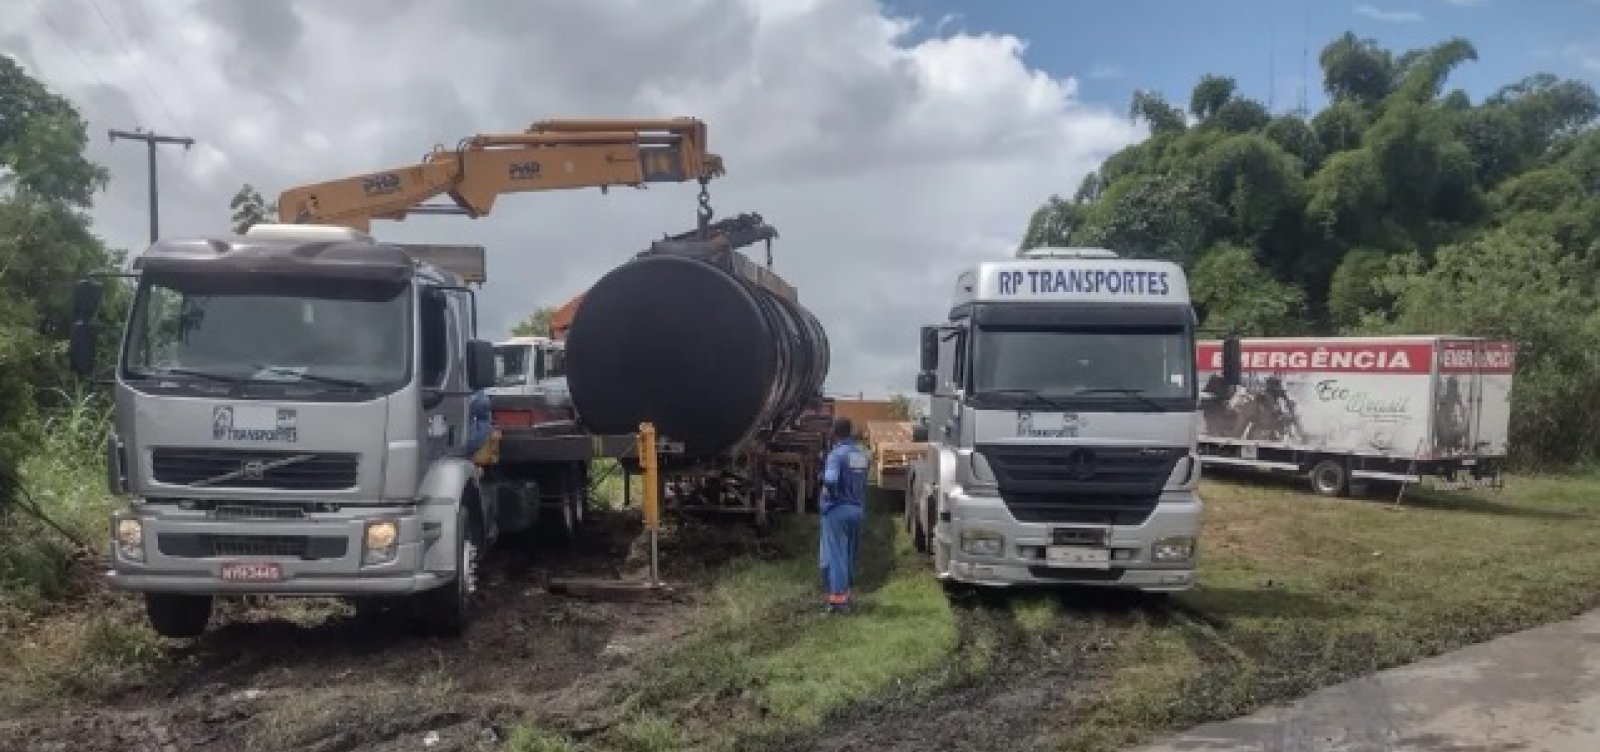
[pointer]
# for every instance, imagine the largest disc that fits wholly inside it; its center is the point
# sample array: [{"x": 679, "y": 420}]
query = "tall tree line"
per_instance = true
[{"x": 1402, "y": 207}]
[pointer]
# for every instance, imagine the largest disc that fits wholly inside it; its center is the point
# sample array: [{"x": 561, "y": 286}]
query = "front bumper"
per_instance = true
[
  {"x": 1021, "y": 560},
  {"x": 180, "y": 553}
]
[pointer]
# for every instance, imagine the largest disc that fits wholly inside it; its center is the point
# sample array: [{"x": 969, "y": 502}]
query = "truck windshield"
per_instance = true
[
  {"x": 258, "y": 338},
  {"x": 1111, "y": 369},
  {"x": 511, "y": 364}
]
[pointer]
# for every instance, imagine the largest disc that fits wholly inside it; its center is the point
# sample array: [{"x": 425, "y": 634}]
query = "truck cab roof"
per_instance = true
[
  {"x": 310, "y": 253},
  {"x": 1073, "y": 275}
]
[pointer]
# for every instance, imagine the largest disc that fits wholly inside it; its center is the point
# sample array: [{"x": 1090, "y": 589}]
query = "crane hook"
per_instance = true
[{"x": 705, "y": 213}]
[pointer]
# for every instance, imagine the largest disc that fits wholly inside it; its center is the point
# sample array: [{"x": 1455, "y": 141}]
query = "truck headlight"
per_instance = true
[
  {"x": 382, "y": 542},
  {"x": 982, "y": 542},
  {"x": 1179, "y": 548},
  {"x": 129, "y": 536}
]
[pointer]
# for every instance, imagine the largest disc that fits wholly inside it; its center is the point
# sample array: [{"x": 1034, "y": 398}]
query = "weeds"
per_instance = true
[
  {"x": 528, "y": 738},
  {"x": 65, "y": 477}
]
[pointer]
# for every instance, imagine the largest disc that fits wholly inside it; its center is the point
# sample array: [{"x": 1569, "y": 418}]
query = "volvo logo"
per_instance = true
[
  {"x": 1081, "y": 463},
  {"x": 253, "y": 470}
]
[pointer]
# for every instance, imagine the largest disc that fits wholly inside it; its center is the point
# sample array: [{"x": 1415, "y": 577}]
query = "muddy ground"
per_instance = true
[
  {"x": 264, "y": 679},
  {"x": 286, "y": 676}
]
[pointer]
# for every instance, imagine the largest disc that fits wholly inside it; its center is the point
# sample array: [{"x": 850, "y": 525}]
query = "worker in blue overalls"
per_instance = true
[
  {"x": 480, "y": 423},
  {"x": 844, "y": 498}
]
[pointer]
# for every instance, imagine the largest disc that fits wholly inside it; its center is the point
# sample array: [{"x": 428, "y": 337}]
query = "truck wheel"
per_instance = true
[
  {"x": 446, "y": 610},
  {"x": 173, "y": 615},
  {"x": 1330, "y": 477}
]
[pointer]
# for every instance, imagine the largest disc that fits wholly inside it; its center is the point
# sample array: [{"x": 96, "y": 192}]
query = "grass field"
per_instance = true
[{"x": 1296, "y": 592}]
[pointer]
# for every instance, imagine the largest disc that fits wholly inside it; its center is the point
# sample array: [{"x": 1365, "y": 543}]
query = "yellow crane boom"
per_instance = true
[{"x": 549, "y": 155}]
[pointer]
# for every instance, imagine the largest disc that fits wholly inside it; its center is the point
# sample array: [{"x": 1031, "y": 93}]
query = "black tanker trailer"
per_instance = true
[{"x": 718, "y": 353}]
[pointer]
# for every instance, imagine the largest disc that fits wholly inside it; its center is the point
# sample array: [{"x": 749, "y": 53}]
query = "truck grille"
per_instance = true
[
  {"x": 249, "y": 468},
  {"x": 1081, "y": 484},
  {"x": 202, "y": 545}
]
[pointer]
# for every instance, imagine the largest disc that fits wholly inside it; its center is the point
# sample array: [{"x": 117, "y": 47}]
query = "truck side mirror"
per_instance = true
[
  {"x": 480, "y": 364},
  {"x": 80, "y": 351},
  {"x": 86, "y": 298},
  {"x": 919, "y": 432},
  {"x": 1232, "y": 362},
  {"x": 926, "y": 381},
  {"x": 930, "y": 348}
]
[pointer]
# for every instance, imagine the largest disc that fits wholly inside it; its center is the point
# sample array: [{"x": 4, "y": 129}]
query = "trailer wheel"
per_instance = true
[
  {"x": 1330, "y": 477},
  {"x": 174, "y": 615},
  {"x": 570, "y": 517}
]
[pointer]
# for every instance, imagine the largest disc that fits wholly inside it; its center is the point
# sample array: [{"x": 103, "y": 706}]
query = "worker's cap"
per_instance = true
[{"x": 842, "y": 428}]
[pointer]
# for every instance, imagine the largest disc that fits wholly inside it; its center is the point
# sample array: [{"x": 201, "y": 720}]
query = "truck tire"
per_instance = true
[
  {"x": 1330, "y": 477},
  {"x": 446, "y": 611},
  {"x": 175, "y": 615},
  {"x": 567, "y": 524}
]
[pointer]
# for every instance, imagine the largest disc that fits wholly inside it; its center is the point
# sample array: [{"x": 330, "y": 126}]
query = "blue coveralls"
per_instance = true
[
  {"x": 844, "y": 496},
  {"x": 480, "y": 423}
]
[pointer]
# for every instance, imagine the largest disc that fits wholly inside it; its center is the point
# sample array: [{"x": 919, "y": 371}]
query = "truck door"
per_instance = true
[
  {"x": 1458, "y": 398},
  {"x": 443, "y": 374}
]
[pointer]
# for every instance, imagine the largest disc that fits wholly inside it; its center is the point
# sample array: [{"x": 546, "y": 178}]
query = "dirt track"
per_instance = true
[{"x": 259, "y": 681}]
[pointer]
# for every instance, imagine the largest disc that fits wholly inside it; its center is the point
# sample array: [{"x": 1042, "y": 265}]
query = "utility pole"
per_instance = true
[{"x": 151, "y": 141}]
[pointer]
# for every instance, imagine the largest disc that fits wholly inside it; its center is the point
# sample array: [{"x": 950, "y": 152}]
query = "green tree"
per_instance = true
[
  {"x": 1152, "y": 109},
  {"x": 1157, "y": 216},
  {"x": 1528, "y": 290},
  {"x": 1292, "y": 223},
  {"x": 901, "y": 407},
  {"x": 1210, "y": 95},
  {"x": 1240, "y": 297},
  {"x": 1052, "y": 224},
  {"x": 537, "y": 324},
  {"x": 45, "y": 245},
  {"x": 250, "y": 209}
]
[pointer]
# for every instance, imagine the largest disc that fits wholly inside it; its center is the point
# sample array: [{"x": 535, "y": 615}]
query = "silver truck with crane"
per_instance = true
[
  {"x": 292, "y": 405},
  {"x": 1061, "y": 435}
]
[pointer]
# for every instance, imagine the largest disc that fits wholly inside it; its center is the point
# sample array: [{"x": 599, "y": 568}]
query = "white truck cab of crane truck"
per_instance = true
[
  {"x": 1062, "y": 426},
  {"x": 531, "y": 366}
]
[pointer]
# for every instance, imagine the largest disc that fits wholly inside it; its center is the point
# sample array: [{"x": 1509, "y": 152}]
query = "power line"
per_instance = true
[
  {"x": 151, "y": 141},
  {"x": 137, "y": 69},
  {"x": 155, "y": 94}
]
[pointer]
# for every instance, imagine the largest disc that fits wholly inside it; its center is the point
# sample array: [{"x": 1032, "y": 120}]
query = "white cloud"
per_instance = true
[
  {"x": 886, "y": 165},
  {"x": 1388, "y": 16}
]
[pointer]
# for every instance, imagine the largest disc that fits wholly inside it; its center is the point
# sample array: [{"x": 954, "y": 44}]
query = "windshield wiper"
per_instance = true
[
  {"x": 1137, "y": 394},
  {"x": 318, "y": 378},
  {"x": 208, "y": 375},
  {"x": 1034, "y": 393}
]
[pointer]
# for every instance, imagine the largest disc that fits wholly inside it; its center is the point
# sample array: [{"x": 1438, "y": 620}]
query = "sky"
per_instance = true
[{"x": 891, "y": 144}]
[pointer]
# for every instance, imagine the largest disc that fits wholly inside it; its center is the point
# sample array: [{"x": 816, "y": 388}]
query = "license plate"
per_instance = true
[
  {"x": 1079, "y": 557},
  {"x": 252, "y": 571}
]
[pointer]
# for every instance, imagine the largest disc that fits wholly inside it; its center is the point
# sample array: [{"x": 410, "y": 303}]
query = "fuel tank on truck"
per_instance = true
[{"x": 712, "y": 348}]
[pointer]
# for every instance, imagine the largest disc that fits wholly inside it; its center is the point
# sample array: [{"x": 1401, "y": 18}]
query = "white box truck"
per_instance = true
[{"x": 1431, "y": 410}]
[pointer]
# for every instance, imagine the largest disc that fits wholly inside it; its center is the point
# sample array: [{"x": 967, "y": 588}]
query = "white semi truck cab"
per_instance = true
[{"x": 1063, "y": 425}]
